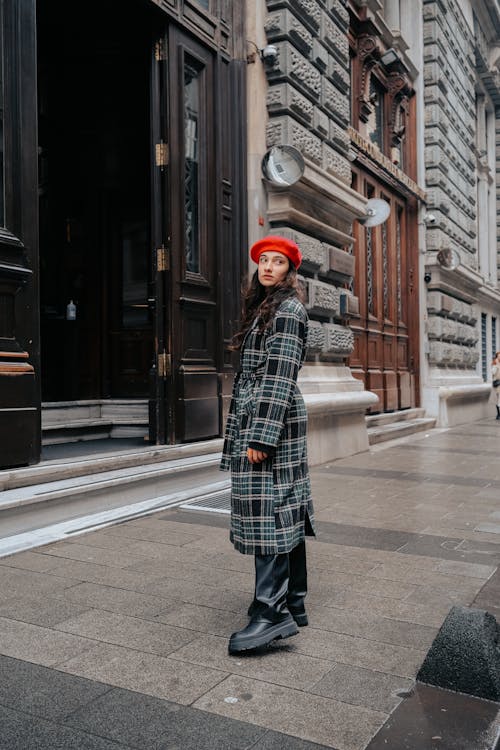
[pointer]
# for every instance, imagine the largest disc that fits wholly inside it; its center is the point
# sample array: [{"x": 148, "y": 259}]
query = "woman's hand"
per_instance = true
[{"x": 256, "y": 457}]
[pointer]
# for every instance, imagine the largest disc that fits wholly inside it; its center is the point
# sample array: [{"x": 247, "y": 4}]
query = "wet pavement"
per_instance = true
[{"x": 118, "y": 638}]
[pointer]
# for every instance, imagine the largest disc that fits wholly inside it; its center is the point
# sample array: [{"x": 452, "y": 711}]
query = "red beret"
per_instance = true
[{"x": 279, "y": 245}]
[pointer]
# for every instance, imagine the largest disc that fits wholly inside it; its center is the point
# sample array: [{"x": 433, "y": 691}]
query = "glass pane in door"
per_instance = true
[{"x": 191, "y": 165}]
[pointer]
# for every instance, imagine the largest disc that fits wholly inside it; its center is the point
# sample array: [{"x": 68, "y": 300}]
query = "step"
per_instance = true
[
  {"x": 70, "y": 468},
  {"x": 92, "y": 429},
  {"x": 84, "y": 501},
  {"x": 380, "y": 434},
  {"x": 374, "y": 420}
]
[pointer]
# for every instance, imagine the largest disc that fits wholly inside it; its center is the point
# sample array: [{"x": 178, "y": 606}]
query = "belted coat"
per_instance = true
[{"x": 271, "y": 506}]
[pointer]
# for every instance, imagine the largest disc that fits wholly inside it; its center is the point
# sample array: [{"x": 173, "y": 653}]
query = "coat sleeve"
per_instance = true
[{"x": 285, "y": 348}]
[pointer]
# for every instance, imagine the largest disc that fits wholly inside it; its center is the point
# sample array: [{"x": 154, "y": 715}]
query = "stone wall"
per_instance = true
[{"x": 308, "y": 107}]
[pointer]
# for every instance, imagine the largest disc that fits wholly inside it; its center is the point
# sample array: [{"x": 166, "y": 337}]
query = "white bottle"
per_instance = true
[{"x": 71, "y": 311}]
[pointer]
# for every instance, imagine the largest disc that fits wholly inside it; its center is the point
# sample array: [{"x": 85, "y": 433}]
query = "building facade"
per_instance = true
[
  {"x": 123, "y": 218},
  {"x": 397, "y": 101}
]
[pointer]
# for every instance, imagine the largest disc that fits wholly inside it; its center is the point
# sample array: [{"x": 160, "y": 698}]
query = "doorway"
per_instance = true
[{"x": 95, "y": 199}]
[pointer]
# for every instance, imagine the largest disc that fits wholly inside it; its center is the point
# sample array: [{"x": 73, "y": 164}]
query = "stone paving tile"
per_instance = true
[
  {"x": 195, "y": 593},
  {"x": 153, "y": 533},
  {"x": 29, "y": 561},
  {"x": 363, "y": 687},
  {"x": 365, "y": 625},
  {"x": 131, "y": 632},
  {"x": 360, "y": 652},
  {"x": 89, "y": 572},
  {"x": 115, "y": 558},
  {"x": 208, "y": 575},
  {"x": 40, "y": 610},
  {"x": 14, "y": 581},
  {"x": 145, "y": 673},
  {"x": 397, "y": 572},
  {"x": 431, "y": 718},
  {"x": 279, "y": 741},
  {"x": 310, "y": 717},
  {"x": 280, "y": 663},
  {"x": 43, "y": 692},
  {"x": 19, "y": 732},
  {"x": 465, "y": 569},
  {"x": 391, "y": 608},
  {"x": 203, "y": 619},
  {"x": 142, "y": 722},
  {"x": 115, "y": 600},
  {"x": 38, "y": 645}
]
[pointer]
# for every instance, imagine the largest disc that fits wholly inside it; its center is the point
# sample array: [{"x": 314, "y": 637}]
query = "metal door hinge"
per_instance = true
[
  {"x": 164, "y": 364},
  {"x": 162, "y": 258},
  {"x": 162, "y": 154}
]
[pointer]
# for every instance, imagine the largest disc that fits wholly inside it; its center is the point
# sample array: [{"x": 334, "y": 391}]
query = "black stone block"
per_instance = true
[{"x": 465, "y": 655}]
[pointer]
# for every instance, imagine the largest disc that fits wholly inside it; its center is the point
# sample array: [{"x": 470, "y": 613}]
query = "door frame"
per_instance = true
[{"x": 19, "y": 301}]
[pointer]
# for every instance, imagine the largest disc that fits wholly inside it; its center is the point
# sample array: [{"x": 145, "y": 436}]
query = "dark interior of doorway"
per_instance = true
[{"x": 94, "y": 162}]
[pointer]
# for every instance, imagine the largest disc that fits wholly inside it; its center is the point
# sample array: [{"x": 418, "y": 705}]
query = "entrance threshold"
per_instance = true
[{"x": 93, "y": 420}]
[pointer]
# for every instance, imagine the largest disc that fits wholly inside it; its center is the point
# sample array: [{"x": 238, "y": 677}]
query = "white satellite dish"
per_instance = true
[
  {"x": 283, "y": 165},
  {"x": 448, "y": 258},
  {"x": 377, "y": 211}
]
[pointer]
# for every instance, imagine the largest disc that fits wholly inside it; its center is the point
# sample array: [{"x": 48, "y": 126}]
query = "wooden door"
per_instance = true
[
  {"x": 19, "y": 318},
  {"x": 386, "y": 332}
]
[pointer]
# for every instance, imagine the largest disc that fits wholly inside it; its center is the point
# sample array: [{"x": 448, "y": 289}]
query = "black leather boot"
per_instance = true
[
  {"x": 498, "y": 412},
  {"x": 297, "y": 586},
  {"x": 270, "y": 618}
]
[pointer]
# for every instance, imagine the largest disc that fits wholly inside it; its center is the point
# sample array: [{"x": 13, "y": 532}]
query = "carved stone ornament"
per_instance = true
[{"x": 369, "y": 55}]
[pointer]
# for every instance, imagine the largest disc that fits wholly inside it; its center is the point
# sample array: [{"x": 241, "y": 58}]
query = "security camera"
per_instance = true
[
  {"x": 269, "y": 54},
  {"x": 427, "y": 277},
  {"x": 430, "y": 219}
]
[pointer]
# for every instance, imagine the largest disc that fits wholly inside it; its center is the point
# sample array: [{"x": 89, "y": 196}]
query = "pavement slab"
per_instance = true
[
  {"x": 117, "y": 638},
  {"x": 312, "y": 717}
]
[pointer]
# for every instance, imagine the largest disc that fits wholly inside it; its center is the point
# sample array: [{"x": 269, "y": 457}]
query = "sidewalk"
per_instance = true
[{"x": 118, "y": 639}]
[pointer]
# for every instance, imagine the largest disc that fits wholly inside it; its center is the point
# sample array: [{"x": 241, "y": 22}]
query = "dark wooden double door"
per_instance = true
[
  {"x": 385, "y": 354},
  {"x": 140, "y": 141}
]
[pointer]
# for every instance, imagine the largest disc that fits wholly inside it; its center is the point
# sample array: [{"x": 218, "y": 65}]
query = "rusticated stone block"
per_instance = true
[
  {"x": 339, "y": 340},
  {"x": 335, "y": 40},
  {"x": 319, "y": 56},
  {"x": 339, "y": 138},
  {"x": 335, "y": 102},
  {"x": 314, "y": 254},
  {"x": 316, "y": 337},
  {"x": 341, "y": 262},
  {"x": 303, "y": 72},
  {"x": 287, "y": 130},
  {"x": 336, "y": 164},
  {"x": 283, "y": 24},
  {"x": 283, "y": 97},
  {"x": 339, "y": 13},
  {"x": 323, "y": 298},
  {"x": 349, "y": 304},
  {"x": 338, "y": 75},
  {"x": 321, "y": 123}
]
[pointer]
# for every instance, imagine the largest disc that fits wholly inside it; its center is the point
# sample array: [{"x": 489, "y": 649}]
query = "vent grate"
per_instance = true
[{"x": 215, "y": 502}]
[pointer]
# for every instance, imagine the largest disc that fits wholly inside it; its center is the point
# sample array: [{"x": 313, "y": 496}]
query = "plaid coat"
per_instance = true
[{"x": 271, "y": 506}]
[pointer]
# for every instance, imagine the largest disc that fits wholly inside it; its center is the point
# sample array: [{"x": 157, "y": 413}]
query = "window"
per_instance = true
[
  {"x": 493, "y": 337},
  {"x": 375, "y": 124}
]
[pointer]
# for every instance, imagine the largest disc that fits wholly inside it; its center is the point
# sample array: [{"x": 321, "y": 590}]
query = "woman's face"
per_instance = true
[{"x": 273, "y": 267}]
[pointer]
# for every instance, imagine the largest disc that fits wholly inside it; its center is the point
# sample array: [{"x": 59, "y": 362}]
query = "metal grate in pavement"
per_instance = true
[{"x": 215, "y": 502}]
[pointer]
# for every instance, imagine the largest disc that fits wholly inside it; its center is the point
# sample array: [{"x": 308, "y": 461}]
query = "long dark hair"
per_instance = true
[{"x": 258, "y": 303}]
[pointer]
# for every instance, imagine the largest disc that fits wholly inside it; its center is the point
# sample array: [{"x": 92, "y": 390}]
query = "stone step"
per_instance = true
[
  {"x": 35, "y": 514},
  {"x": 71, "y": 421},
  {"x": 395, "y": 430},
  {"x": 375, "y": 420},
  {"x": 57, "y": 470}
]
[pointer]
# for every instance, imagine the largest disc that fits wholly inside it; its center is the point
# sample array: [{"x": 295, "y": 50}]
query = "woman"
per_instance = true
[
  {"x": 265, "y": 446},
  {"x": 495, "y": 372}
]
